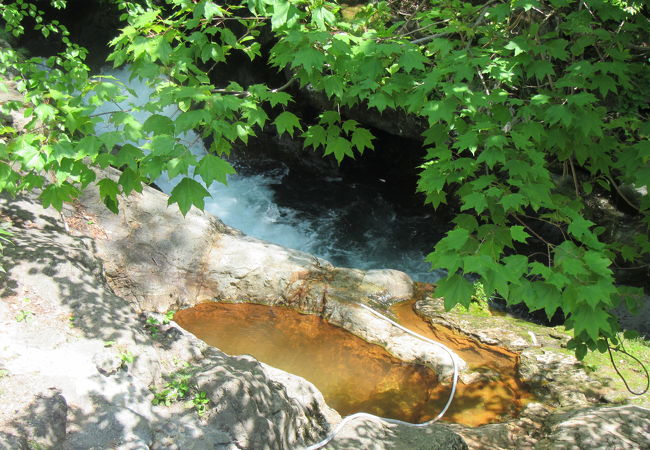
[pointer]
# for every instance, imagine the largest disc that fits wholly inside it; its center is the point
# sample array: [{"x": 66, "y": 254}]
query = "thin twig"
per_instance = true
[
  {"x": 575, "y": 178},
  {"x": 431, "y": 37},
  {"x": 628, "y": 201},
  {"x": 548, "y": 222},
  {"x": 285, "y": 86},
  {"x": 531, "y": 230},
  {"x": 480, "y": 75},
  {"x": 647, "y": 377}
]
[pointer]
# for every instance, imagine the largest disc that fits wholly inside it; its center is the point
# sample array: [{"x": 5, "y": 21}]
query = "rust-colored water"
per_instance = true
[
  {"x": 502, "y": 395},
  {"x": 352, "y": 374}
]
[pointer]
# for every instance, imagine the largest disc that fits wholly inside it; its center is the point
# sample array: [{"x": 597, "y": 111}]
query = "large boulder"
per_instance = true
[
  {"x": 161, "y": 260},
  {"x": 79, "y": 365}
]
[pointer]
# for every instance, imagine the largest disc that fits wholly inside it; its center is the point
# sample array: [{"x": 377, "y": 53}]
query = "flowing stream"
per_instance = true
[{"x": 349, "y": 224}]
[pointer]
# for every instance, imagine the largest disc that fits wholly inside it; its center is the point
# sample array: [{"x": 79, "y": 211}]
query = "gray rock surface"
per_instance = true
[
  {"x": 79, "y": 366},
  {"x": 623, "y": 427},
  {"x": 161, "y": 260},
  {"x": 375, "y": 434}
]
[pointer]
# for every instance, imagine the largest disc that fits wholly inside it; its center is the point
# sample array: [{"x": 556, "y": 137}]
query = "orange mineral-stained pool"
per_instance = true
[
  {"x": 484, "y": 401},
  {"x": 352, "y": 374}
]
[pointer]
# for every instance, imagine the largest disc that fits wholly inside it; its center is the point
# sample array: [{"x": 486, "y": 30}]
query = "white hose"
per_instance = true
[{"x": 396, "y": 421}]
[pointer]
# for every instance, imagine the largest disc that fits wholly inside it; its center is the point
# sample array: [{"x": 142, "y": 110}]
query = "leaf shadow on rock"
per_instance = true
[
  {"x": 111, "y": 405},
  {"x": 372, "y": 434}
]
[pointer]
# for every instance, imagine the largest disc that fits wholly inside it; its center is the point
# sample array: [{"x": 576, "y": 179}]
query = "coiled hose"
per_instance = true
[{"x": 352, "y": 417}]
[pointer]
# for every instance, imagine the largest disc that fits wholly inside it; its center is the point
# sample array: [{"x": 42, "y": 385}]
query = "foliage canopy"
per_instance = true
[{"x": 512, "y": 93}]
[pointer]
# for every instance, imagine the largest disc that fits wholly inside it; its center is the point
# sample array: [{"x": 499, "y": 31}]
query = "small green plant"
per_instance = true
[
  {"x": 4, "y": 373},
  {"x": 71, "y": 320},
  {"x": 24, "y": 315},
  {"x": 127, "y": 357},
  {"x": 109, "y": 343},
  {"x": 176, "y": 389},
  {"x": 152, "y": 327},
  {"x": 168, "y": 317},
  {"x": 200, "y": 402},
  {"x": 180, "y": 388},
  {"x": 33, "y": 445},
  {"x": 153, "y": 324}
]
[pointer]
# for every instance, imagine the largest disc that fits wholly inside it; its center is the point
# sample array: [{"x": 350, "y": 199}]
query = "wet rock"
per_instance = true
[
  {"x": 623, "y": 427},
  {"x": 397, "y": 284}
]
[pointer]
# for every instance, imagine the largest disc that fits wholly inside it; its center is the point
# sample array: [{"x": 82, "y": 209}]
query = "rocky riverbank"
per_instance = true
[{"x": 86, "y": 352}]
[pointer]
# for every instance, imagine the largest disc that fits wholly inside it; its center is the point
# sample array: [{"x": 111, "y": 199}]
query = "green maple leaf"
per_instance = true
[
  {"x": 591, "y": 320},
  {"x": 540, "y": 69},
  {"x": 455, "y": 239},
  {"x": 518, "y": 234},
  {"x": 30, "y": 156},
  {"x": 436, "y": 111},
  {"x": 187, "y": 193},
  {"x": 362, "y": 138},
  {"x": 54, "y": 195},
  {"x": 211, "y": 10},
  {"x": 284, "y": 13},
  {"x": 550, "y": 298},
  {"x": 111, "y": 138},
  {"x": 605, "y": 84},
  {"x": 513, "y": 201},
  {"x": 581, "y": 99},
  {"x": 557, "y": 49},
  {"x": 381, "y": 101},
  {"x": 288, "y": 122},
  {"x": 444, "y": 260},
  {"x": 476, "y": 200},
  {"x": 108, "y": 191},
  {"x": 515, "y": 267},
  {"x": 315, "y": 136},
  {"x": 275, "y": 98},
  {"x": 153, "y": 166},
  {"x": 412, "y": 60},
  {"x": 455, "y": 289},
  {"x": 190, "y": 120},
  {"x": 158, "y": 124},
  {"x": 480, "y": 264},
  {"x": 559, "y": 113},
  {"x": 130, "y": 181},
  {"x": 128, "y": 155},
  {"x": 467, "y": 141},
  {"x": 322, "y": 16},
  {"x": 340, "y": 147},
  {"x": 518, "y": 47},
  {"x": 180, "y": 165},
  {"x": 579, "y": 227},
  {"x": 491, "y": 156},
  {"x": 212, "y": 168},
  {"x": 309, "y": 58}
]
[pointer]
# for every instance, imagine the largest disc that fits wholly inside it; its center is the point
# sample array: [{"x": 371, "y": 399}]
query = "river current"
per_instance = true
[{"x": 347, "y": 223}]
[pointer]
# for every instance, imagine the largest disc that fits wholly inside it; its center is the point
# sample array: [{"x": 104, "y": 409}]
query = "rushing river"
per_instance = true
[{"x": 349, "y": 224}]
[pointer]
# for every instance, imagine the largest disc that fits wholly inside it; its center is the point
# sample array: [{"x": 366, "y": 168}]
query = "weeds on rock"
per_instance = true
[
  {"x": 153, "y": 324},
  {"x": 179, "y": 387},
  {"x": 24, "y": 315},
  {"x": 127, "y": 357}
]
